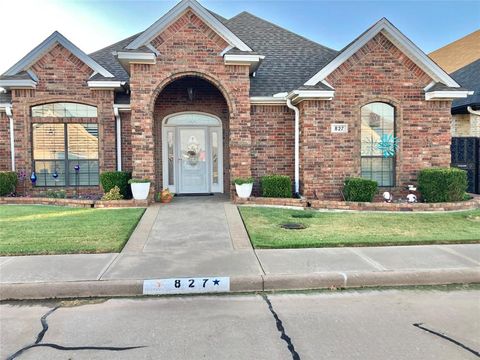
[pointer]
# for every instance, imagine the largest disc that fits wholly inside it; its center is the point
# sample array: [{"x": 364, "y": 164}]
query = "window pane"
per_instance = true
[
  {"x": 45, "y": 171},
  {"x": 64, "y": 110},
  {"x": 82, "y": 141},
  {"x": 48, "y": 141},
  {"x": 379, "y": 169},
  {"x": 214, "y": 157},
  {"x": 170, "y": 139},
  {"x": 87, "y": 174}
]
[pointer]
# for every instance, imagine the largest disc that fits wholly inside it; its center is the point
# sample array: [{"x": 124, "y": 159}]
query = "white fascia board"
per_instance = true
[
  {"x": 299, "y": 95},
  {"x": 46, "y": 45},
  {"x": 400, "y": 40},
  {"x": 175, "y": 13},
  {"x": 137, "y": 57},
  {"x": 105, "y": 84},
  {"x": 18, "y": 84},
  {"x": 122, "y": 107},
  {"x": 268, "y": 100},
  {"x": 445, "y": 95},
  {"x": 3, "y": 106},
  {"x": 252, "y": 60}
]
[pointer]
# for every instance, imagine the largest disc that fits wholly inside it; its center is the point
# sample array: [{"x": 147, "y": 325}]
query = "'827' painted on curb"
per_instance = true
[{"x": 186, "y": 285}]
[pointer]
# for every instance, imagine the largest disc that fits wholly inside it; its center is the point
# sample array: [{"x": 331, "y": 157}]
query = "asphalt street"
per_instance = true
[{"x": 432, "y": 323}]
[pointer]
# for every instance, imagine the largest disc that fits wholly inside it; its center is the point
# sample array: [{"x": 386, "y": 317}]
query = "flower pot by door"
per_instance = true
[
  {"x": 140, "y": 190},
  {"x": 244, "y": 191}
]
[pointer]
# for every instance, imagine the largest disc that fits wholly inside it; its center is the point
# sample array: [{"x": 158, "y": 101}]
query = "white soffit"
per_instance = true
[
  {"x": 399, "y": 40},
  {"x": 46, "y": 45},
  {"x": 175, "y": 13},
  {"x": 446, "y": 95},
  {"x": 18, "y": 84}
]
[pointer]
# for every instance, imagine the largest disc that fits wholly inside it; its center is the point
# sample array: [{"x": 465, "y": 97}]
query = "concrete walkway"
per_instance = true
[{"x": 205, "y": 236}]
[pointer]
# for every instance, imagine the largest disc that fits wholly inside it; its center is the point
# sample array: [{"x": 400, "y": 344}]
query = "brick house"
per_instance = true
[{"x": 197, "y": 100}]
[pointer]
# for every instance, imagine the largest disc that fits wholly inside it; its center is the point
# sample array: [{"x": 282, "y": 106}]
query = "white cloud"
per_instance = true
[{"x": 27, "y": 23}]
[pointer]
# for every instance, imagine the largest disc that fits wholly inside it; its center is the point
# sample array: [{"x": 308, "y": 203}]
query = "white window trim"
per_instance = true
[
  {"x": 46, "y": 45},
  {"x": 175, "y": 13},
  {"x": 398, "y": 39}
]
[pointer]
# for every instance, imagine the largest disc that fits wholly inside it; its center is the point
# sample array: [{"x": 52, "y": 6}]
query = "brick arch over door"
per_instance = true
[{"x": 207, "y": 98}]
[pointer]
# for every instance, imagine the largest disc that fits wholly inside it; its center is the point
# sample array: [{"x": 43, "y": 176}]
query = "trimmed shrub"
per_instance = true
[
  {"x": 358, "y": 189},
  {"x": 110, "y": 179},
  {"x": 54, "y": 194},
  {"x": 277, "y": 186},
  {"x": 442, "y": 184},
  {"x": 8, "y": 181},
  {"x": 113, "y": 194}
]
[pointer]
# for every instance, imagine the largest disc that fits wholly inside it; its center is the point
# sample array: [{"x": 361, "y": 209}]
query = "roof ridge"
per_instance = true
[{"x": 284, "y": 29}]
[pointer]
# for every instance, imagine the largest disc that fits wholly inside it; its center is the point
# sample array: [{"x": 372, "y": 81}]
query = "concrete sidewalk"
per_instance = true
[{"x": 192, "y": 238}]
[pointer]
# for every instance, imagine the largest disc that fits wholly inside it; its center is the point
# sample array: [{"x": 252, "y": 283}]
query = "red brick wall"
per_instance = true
[
  {"x": 5, "y": 163},
  {"x": 62, "y": 78},
  {"x": 189, "y": 47},
  {"x": 174, "y": 99},
  {"x": 273, "y": 142},
  {"x": 377, "y": 72},
  {"x": 126, "y": 117}
]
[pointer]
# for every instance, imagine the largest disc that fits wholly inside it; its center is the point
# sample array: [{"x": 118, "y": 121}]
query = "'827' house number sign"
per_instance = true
[
  {"x": 186, "y": 285},
  {"x": 339, "y": 128}
]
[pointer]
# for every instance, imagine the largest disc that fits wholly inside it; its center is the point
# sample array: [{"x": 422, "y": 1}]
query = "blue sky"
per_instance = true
[{"x": 94, "y": 24}]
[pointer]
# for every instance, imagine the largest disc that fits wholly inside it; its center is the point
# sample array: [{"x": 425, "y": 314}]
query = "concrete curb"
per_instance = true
[{"x": 258, "y": 283}]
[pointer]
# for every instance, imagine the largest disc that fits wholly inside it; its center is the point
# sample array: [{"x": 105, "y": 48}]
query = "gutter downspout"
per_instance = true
[
  {"x": 118, "y": 131},
  {"x": 297, "y": 146},
  {"x": 8, "y": 111},
  {"x": 473, "y": 112}
]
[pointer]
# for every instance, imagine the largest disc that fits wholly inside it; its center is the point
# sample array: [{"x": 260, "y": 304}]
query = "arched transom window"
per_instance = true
[
  {"x": 62, "y": 109},
  {"x": 378, "y": 120}
]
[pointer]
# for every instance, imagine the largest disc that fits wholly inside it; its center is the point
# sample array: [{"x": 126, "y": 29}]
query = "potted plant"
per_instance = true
[
  {"x": 140, "y": 188},
  {"x": 165, "y": 196},
  {"x": 244, "y": 187}
]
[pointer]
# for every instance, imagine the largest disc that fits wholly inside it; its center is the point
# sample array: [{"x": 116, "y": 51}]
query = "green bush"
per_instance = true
[
  {"x": 277, "y": 186},
  {"x": 241, "y": 181},
  {"x": 442, "y": 184},
  {"x": 138, "y": 181},
  {"x": 113, "y": 194},
  {"x": 358, "y": 189},
  {"x": 110, "y": 179},
  {"x": 8, "y": 181}
]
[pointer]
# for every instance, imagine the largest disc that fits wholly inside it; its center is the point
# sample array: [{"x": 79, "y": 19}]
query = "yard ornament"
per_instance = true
[
  {"x": 411, "y": 198},
  {"x": 387, "y": 196}
]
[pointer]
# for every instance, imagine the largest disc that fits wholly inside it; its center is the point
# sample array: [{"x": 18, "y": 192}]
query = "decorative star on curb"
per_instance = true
[
  {"x": 388, "y": 145},
  {"x": 216, "y": 282}
]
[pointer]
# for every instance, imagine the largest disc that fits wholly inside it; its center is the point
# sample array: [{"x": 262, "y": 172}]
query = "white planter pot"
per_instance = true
[
  {"x": 244, "y": 191},
  {"x": 140, "y": 190}
]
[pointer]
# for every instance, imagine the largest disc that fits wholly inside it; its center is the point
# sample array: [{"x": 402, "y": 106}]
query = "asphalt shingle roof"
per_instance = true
[
  {"x": 290, "y": 59},
  {"x": 5, "y": 98},
  {"x": 469, "y": 78}
]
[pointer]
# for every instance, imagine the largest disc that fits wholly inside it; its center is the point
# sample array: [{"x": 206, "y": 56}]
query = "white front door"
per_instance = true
[
  {"x": 193, "y": 159},
  {"x": 192, "y": 153}
]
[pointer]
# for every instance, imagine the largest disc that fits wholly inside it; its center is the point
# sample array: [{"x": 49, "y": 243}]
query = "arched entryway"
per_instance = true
[{"x": 192, "y": 137}]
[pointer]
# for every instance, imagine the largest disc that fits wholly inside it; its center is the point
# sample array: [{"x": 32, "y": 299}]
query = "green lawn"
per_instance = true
[
  {"x": 326, "y": 229},
  {"x": 27, "y": 230}
]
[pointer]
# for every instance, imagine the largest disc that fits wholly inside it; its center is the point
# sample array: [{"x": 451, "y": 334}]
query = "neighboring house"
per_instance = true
[
  {"x": 197, "y": 100},
  {"x": 459, "y": 53},
  {"x": 466, "y": 112}
]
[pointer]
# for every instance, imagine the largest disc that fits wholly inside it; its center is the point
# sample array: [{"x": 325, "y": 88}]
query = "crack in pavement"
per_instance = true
[
  {"x": 281, "y": 329},
  {"x": 458, "y": 343},
  {"x": 41, "y": 334}
]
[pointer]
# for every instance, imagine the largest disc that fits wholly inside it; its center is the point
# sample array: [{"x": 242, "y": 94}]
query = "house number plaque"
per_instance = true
[{"x": 339, "y": 128}]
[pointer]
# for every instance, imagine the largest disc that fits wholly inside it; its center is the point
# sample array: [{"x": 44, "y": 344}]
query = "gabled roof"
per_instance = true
[
  {"x": 213, "y": 21},
  {"x": 27, "y": 61},
  {"x": 468, "y": 77},
  {"x": 398, "y": 39}
]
